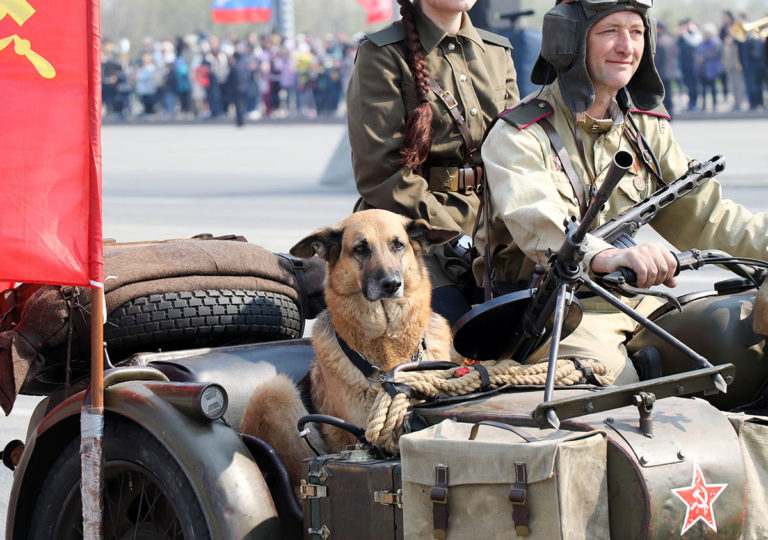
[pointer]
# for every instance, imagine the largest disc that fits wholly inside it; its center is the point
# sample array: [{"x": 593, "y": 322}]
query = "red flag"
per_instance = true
[
  {"x": 378, "y": 10},
  {"x": 50, "y": 142}
]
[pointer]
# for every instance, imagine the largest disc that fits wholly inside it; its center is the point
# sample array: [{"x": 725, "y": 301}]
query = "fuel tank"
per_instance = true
[{"x": 719, "y": 327}]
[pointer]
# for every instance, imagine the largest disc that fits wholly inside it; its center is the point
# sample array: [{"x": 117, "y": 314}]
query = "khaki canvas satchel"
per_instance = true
[
  {"x": 753, "y": 437},
  {"x": 497, "y": 483}
]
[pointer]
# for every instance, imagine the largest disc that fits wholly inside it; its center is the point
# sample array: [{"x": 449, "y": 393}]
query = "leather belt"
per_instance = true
[{"x": 455, "y": 179}]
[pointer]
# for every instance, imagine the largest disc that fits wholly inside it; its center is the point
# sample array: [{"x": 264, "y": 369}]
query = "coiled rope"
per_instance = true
[{"x": 388, "y": 414}]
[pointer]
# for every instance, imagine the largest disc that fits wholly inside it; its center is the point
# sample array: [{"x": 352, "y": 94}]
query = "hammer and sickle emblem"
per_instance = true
[{"x": 20, "y": 11}]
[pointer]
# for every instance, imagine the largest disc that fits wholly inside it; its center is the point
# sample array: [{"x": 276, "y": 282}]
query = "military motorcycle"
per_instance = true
[{"x": 655, "y": 459}]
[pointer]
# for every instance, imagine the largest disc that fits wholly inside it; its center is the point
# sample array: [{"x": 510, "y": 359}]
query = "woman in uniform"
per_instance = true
[{"x": 422, "y": 92}]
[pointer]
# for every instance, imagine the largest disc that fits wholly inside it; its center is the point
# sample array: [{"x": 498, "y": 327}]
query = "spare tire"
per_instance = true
[{"x": 191, "y": 319}]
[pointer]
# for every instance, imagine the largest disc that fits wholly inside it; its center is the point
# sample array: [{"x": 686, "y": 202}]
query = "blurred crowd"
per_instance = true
[
  {"x": 205, "y": 76},
  {"x": 714, "y": 66},
  {"x": 721, "y": 67}
]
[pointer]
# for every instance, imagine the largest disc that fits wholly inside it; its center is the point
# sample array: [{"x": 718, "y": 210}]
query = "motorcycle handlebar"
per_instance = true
[{"x": 686, "y": 260}]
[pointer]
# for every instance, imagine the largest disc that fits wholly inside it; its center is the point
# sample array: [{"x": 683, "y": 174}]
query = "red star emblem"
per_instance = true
[{"x": 698, "y": 499}]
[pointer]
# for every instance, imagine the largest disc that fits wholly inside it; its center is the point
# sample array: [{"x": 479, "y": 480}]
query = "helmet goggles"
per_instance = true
[{"x": 592, "y": 7}]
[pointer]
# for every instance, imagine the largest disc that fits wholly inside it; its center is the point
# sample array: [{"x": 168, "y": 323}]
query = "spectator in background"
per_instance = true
[
  {"x": 147, "y": 83},
  {"x": 688, "y": 40},
  {"x": 168, "y": 84},
  {"x": 218, "y": 70},
  {"x": 710, "y": 61},
  {"x": 734, "y": 76},
  {"x": 110, "y": 75},
  {"x": 667, "y": 64},
  {"x": 753, "y": 63},
  {"x": 289, "y": 80},
  {"x": 182, "y": 82},
  {"x": 242, "y": 83}
]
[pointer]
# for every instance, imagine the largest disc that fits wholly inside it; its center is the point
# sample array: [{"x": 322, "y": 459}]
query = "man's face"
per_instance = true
[{"x": 614, "y": 50}]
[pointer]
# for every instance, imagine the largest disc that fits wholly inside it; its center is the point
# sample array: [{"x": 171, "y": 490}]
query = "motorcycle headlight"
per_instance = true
[{"x": 212, "y": 401}]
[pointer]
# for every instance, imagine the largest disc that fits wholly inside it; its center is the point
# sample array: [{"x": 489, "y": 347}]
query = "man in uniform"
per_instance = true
[{"x": 549, "y": 155}]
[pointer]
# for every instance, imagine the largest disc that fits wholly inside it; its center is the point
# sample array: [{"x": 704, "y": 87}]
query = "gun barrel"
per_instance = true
[{"x": 622, "y": 161}]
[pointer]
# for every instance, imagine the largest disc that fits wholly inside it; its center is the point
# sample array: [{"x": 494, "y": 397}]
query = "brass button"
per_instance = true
[
  {"x": 462, "y": 77},
  {"x": 451, "y": 46},
  {"x": 473, "y": 111}
]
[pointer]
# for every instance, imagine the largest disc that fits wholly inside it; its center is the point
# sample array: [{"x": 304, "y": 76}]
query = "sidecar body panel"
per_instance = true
[{"x": 652, "y": 480}]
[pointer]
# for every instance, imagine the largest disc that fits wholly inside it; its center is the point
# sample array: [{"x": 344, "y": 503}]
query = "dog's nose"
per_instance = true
[{"x": 391, "y": 284}]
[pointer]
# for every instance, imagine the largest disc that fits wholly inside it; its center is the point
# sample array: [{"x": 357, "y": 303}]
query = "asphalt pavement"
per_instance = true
[{"x": 262, "y": 181}]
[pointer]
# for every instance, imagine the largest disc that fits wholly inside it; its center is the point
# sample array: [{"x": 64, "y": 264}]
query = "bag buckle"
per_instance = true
[{"x": 448, "y": 99}]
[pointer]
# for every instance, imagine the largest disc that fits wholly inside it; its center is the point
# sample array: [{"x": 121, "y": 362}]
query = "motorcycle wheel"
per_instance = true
[{"x": 146, "y": 495}]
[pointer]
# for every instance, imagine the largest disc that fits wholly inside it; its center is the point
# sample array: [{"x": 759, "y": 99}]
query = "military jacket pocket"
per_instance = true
[
  {"x": 634, "y": 187},
  {"x": 565, "y": 188},
  {"x": 500, "y": 97}
]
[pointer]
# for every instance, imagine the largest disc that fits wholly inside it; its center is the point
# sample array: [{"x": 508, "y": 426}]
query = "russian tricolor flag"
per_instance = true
[{"x": 241, "y": 11}]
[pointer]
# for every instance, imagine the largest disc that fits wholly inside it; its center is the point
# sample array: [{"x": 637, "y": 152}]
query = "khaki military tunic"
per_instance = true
[
  {"x": 475, "y": 67},
  {"x": 531, "y": 196}
]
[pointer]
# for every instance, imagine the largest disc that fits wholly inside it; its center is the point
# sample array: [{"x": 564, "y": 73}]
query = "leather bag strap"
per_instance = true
[
  {"x": 439, "y": 497},
  {"x": 453, "y": 107},
  {"x": 565, "y": 160},
  {"x": 450, "y": 102}
]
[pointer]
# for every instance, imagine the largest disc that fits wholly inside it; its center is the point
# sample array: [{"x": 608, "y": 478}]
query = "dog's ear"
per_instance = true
[
  {"x": 427, "y": 235},
  {"x": 326, "y": 242}
]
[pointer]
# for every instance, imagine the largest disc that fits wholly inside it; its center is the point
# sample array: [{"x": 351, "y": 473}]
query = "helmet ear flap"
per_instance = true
[
  {"x": 557, "y": 55},
  {"x": 560, "y": 52}
]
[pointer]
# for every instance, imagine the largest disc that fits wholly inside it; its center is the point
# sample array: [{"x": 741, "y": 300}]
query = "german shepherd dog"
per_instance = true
[{"x": 378, "y": 295}]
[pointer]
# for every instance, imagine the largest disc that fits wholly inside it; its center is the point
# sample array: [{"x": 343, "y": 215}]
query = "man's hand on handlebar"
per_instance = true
[{"x": 652, "y": 262}]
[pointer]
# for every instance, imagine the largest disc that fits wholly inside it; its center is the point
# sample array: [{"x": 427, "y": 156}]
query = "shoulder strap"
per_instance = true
[
  {"x": 527, "y": 113},
  {"x": 453, "y": 107},
  {"x": 387, "y": 36},
  {"x": 567, "y": 164},
  {"x": 496, "y": 39},
  {"x": 536, "y": 111}
]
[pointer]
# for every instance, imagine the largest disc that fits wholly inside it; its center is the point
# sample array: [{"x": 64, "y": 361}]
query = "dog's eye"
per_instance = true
[
  {"x": 397, "y": 245},
  {"x": 361, "y": 249}
]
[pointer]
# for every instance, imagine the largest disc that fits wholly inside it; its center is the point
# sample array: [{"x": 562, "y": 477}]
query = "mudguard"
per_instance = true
[{"x": 227, "y": 482}]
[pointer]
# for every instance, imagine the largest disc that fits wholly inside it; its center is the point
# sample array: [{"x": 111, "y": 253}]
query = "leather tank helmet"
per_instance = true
[{"x": 564, "y": 46}]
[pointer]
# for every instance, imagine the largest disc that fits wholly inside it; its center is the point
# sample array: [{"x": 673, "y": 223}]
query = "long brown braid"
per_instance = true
[{"x": 417, "y": 137}]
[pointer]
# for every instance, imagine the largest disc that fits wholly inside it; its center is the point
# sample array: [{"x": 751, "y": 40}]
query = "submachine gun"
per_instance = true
[{"x": 552, "y": 304}]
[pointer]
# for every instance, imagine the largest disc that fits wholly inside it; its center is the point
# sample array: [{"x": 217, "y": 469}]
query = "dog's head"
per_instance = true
[{"x": 373, "y": 252}]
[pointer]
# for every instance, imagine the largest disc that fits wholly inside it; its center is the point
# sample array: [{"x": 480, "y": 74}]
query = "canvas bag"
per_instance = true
[
  {"x": 565, "y": 494},
  {"x": 753, "y": 438}
]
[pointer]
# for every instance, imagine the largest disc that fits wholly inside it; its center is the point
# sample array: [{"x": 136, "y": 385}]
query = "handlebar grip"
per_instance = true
[
  {"x": 628, "y": 274},
  {"x": 686, "y": 260}
]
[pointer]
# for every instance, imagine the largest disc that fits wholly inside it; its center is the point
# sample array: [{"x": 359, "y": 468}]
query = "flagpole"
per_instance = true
[
  {"x": 92, "y": 412},
  {"x": 92, "y": 425}
]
